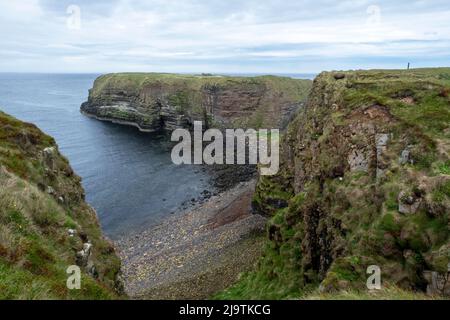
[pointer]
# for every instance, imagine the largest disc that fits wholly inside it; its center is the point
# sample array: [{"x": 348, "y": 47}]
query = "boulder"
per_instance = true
[
  {"x": 437, "y": 283},
  {"x": 358, "y": 161},
  {"x": 381, "y": 142},
  {"x": 50, "y": 190},
  {"x": 83, "y": 256},
  {"x": 49, "y": 155},
  {"x": 408, "y": 203},
  {"x": 405, "y": 156},
  {"x": 84, "y": 260}
]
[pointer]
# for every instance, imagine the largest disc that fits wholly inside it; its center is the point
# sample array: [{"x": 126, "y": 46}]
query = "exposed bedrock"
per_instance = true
[
  {"x": 364, "y": 180},
  {"x": 154, "y": 102}
]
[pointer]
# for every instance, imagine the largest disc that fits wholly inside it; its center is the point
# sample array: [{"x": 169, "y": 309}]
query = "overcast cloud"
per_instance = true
[{"x": 228, "y": 36}]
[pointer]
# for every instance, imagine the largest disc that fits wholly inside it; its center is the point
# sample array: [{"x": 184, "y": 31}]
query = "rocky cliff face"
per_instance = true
[
  {"x": 45, "y": 224},
  {"x": 364, "y": 180},
  {"x": 154, "y": 102}
]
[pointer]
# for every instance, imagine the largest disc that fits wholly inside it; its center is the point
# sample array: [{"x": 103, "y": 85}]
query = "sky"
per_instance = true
[{"x": 221, "y": 36}]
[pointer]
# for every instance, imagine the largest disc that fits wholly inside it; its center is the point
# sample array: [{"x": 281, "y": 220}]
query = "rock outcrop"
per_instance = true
[
  {"x": 364, "y": 180},
  {"x": 155, "y": 102}
]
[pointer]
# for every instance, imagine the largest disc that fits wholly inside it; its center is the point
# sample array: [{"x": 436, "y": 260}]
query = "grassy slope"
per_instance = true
[
  {"x": 358, "y": 219},
  {"x": 35, "y": 248},
  {"x": 185, "y": 91}
]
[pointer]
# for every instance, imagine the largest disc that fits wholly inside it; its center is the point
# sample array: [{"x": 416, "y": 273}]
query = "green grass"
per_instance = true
[
  {"x": 389, "y": 224},
  {"x": 443, "y": 167},
  {"x": 35, "y": 248},
  {"x": 135, "y": 81},
  {"x": 386, "y": 293}
]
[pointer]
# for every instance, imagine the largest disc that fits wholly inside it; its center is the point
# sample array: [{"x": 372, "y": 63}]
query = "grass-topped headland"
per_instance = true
[{"x": 155, "y": 101}]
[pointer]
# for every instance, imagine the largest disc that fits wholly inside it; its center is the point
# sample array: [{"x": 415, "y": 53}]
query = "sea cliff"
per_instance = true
[
  {"x": 153, "y": 102},
  {"x": 364, "y": 181}
]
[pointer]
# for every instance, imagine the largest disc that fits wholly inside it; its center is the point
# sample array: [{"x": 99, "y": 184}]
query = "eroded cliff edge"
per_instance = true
[
  {"x": 364, "y": 180},
  {"x": 153, "y": 102},
  {"x": 45, "y": 223}
]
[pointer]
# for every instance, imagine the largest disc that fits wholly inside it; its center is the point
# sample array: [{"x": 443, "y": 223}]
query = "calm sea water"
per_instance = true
[{"x": 128, "y": 176}]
